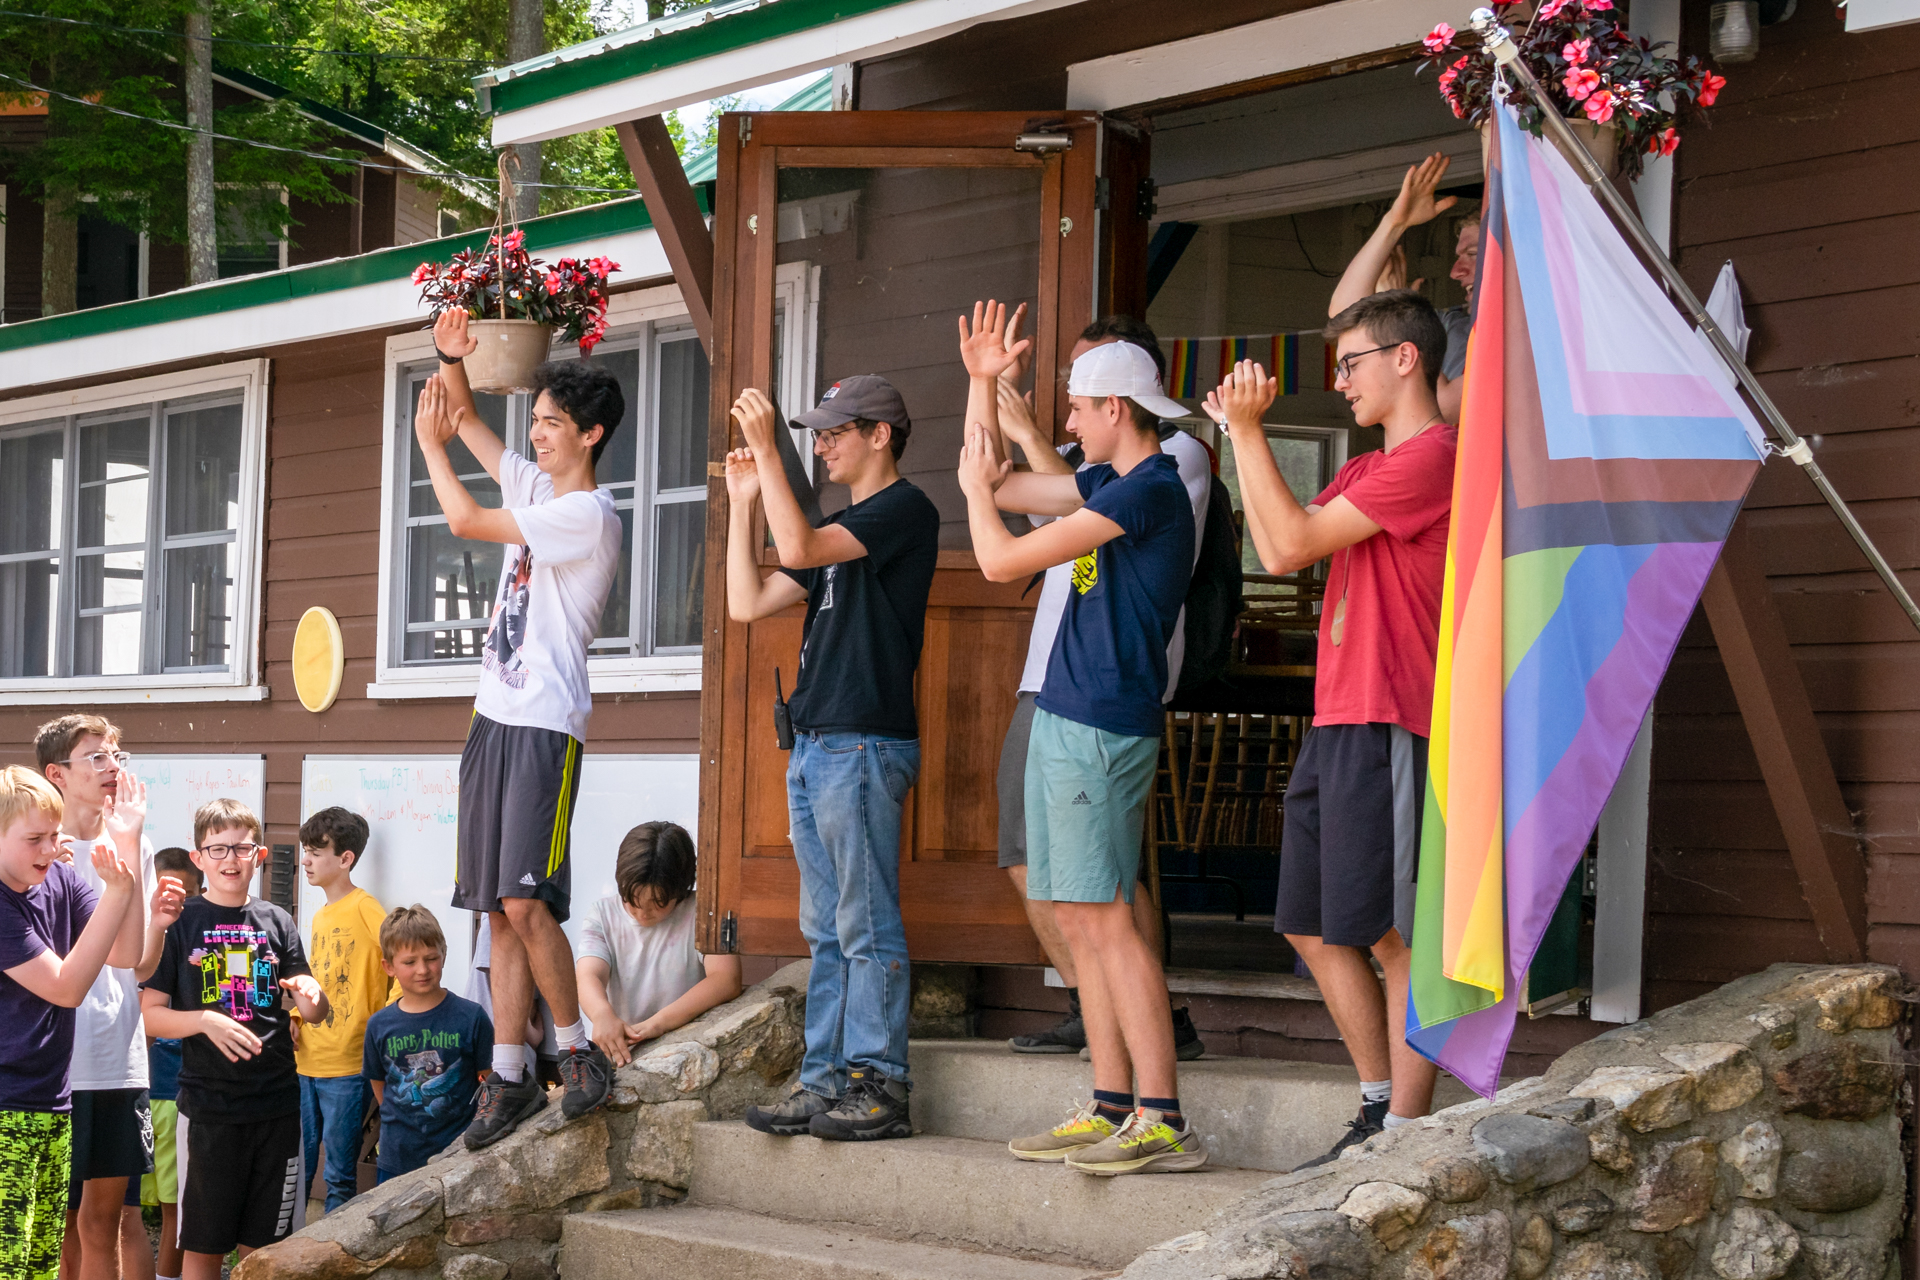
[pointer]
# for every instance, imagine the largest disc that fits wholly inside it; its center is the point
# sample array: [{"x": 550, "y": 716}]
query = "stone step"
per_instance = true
[
  {"x": 726, "y": 1244},
  {"x": 933, "y": 1189},
  {"x": 1254, "y": 1113}
]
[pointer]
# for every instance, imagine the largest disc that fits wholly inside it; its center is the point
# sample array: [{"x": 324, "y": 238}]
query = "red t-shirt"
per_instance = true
[{"x": 1385, "y": 591}]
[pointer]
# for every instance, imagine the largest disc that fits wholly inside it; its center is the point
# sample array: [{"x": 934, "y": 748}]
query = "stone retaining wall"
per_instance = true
[
  {"x": 1752, "y": 1134},
  {"x": 495, "y": 1214}
]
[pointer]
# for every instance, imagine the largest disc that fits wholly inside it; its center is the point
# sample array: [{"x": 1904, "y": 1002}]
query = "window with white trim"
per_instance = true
[{"x": 129, "y": 534}]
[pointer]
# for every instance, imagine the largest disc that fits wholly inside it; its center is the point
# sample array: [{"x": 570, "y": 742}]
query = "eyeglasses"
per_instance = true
[
  {"x": 221, "y": 852},
  {"x": 105, "y": 761},
  {"x": 1344, "y": 365},
  {"x": 828, "y": 435}
]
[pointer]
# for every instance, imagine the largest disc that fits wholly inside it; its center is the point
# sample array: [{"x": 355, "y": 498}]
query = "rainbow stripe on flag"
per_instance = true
[
  {"x": 1604, "y": 453},
  {"x": 1196, "y": 366}
]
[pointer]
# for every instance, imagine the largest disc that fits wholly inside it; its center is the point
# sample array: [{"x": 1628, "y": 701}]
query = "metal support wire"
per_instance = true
[{"x": 1500, "y": 44}]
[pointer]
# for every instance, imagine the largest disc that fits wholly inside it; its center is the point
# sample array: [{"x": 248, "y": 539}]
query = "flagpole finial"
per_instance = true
[{"x": 1496, "y": 37}]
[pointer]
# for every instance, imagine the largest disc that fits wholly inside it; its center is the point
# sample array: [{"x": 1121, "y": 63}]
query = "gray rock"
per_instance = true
[
  {"x": 1475, "y": 1248},
  {"x": 1754, "y": 1154},
  {"x": 669, "y": 1072},
  {"x": 1611, "y": 1148},
  {"x": 1838, "y": 1258},
  {"x": 1532, "y": 1249},
  {"x": 1723, "y": 1075},
  {"x": 1387, "y": 1209},
  {"x": 1583, "y": 1213},
  {"x": 1675, "y": 1187},
  {"x": 474, "y": 1266},
  {"x": 1595, "y": 1261},
  {"x": 1755, "y": 1245},
  {"x": 1647, "y": 1098},
  {"x": 1528, "y": 1152},
  {"x": 1823, "y": 1180},
  {"x": 1572, "y": 1110},
  {"x": 1327, "y": 1245},
  {"x": 1848, "y": 998},
  {"x": 1456, "y": 1179},
  {"x": 1780, "y": 1025},
  {"x": 414, "y": 1203},
  {"x": 662, "y": 1145},
  {"x": 530, "y": 1170}
]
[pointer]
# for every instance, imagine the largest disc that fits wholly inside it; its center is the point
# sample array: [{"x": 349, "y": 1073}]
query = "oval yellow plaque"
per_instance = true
[{"x": 319, "y": 657}]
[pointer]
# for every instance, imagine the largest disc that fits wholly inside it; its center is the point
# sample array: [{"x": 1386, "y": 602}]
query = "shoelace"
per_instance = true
[
  {"x": 575, "y": 1066},
  {"x": 491, "y": 1090},
  {"x": 1083, "y": 1113}
]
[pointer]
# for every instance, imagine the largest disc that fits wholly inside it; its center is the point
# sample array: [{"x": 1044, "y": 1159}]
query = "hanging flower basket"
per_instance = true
[
  {"x": 1599, "y": 76},
  {"x": 517, "y": 303}
]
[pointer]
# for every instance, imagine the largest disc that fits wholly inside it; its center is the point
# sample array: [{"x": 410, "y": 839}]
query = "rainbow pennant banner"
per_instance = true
[
  {"x": 1604, "y": 453},
  {"x": 1197, "y": 365}
]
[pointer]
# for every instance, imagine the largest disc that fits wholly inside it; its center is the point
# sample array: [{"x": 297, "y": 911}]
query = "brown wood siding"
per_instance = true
[
  {"x": 416, "y": 213},
  {"x": 1804, "y": 175},
  {"x": 322, "y": 548}
]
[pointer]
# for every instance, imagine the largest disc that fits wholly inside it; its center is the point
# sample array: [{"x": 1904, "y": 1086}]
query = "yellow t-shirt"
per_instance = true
[{"x": 345, "y": 958}]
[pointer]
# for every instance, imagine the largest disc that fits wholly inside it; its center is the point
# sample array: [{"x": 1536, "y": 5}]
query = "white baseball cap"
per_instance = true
[{"x": 1122, "y": 369}]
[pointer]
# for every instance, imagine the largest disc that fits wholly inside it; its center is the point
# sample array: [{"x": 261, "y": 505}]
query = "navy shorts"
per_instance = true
[
  {"x": 1350, "y": 834},
  {"x": 517, "y": 789}
]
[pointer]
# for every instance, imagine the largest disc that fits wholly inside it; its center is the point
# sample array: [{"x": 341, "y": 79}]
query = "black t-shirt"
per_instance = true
[
  {"x": 866, "y": 618},
  {"x": 232, "y": 959}
]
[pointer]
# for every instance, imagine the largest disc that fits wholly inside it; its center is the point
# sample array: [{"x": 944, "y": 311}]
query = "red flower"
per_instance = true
[
  {"x": 1579, "y": 82},
  {"x": 1551, "y": 10},
  {"x": 1599, "y": 106},
  {"x": 424, "y": 271},
  {"x": 1440, "y": 39},
  {"x": 1710, "y": 87},
  {"x": 1666, "y": 140},
  {"x": 1576, "y": 52},
  {"x": 1597, "y": 5}
]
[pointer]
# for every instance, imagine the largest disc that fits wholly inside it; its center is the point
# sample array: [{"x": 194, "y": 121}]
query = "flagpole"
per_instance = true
[{"x": 1499, "y": 42}]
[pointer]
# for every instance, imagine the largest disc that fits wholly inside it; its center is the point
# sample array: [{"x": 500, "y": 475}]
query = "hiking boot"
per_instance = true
[
  {"x": 1083, "y": 1128},
  {"x": 788, "y": 1118},
  {"x": 1371, "y": 1120},
  {"x": 1146, "y": 1143},
  {"x": 1069, "y": 1036},
  {"x": 588, "y": 1077},
  {"x": 872, "y": 1108},
  {"x": 501, "y": 1108}
]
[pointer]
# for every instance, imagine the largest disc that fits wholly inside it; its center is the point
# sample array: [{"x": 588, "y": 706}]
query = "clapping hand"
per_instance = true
[
  {"x": 125, "y": 813},
  {"x": 981, "y": 474},
  {"x": 985, "y": 346},
  {"x": 169, "y": 896},
  {"x": 1023, "y": 356},
  {"x": 233, "y": 1041},
  {"x": 450, "y": 334},
  {"x": 754, "y": 412},
  {"x": 433, "y": 421},
  {"x": 1242, "y": 400},
  {"x": 1415, "y": 203},
  {"x": 115, "y": 877}
]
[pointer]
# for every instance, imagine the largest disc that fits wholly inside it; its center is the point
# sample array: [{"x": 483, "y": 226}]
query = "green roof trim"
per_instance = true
[
  {"x": 365, "y": 130},
  {"x": 704, "y": 165},
  {"x": 377, "y": 267},
  {"x": 599, "y": 64}
]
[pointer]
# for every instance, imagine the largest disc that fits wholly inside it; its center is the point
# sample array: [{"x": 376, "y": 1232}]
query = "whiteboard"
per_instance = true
[{"x": 411, "y": 804}]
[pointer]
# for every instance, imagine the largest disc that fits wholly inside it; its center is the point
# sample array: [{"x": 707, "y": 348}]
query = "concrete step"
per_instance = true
[
  {"x": 725, "y": 1244},
  {"x": 1254, "y": 1113},
  {"x": 962, "y": 1192}
]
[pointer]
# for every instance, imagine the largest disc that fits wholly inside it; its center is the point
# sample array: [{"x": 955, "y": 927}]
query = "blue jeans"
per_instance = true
[
  {"x": 331, "y": 1111},
  {"x": 844, "y": 792}
]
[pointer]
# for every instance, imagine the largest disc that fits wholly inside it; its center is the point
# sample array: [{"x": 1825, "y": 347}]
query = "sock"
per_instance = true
[
  {"x": 573, "y": 1035},
  {"x": 509, "y": 1063},
  {"x": 1169, "y": 1109},
  {"x": 1394, "y": 1122},
  {"x": 1113, "y": 1107},
  {"x": 1376, "y": 1090}
]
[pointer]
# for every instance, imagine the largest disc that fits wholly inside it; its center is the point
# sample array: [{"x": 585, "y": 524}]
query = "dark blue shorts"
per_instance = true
[{"x": 1350, "y": 834}]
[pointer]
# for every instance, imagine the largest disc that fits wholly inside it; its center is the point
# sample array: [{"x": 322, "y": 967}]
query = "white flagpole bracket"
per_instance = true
[{"x": 1499, "y": 42}]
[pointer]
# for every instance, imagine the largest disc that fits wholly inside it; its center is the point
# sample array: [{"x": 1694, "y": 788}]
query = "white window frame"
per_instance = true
[
  {"x": 796, "y": 293},
  {"x": 242, "y": 682}
]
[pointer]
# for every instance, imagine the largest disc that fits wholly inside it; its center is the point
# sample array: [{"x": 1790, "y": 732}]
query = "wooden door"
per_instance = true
[{"x": 903, "y": 219}]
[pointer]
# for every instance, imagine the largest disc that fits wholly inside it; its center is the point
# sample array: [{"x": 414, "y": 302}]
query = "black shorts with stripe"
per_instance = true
[{"x": 517, "y": 789}]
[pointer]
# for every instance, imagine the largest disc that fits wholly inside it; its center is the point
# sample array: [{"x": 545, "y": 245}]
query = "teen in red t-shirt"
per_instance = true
[{"x": 1350, "y": 834}]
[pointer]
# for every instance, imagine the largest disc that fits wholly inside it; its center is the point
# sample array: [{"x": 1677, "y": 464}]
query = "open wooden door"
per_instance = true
[{"x": 872, "y": 231}]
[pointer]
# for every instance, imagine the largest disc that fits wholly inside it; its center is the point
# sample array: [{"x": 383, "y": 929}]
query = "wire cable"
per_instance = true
[{"x": 246, "y": 44}]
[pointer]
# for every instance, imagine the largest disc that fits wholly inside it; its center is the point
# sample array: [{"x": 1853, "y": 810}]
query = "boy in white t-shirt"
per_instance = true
[
  {"x": 520, "y": 770},
  {"x": 639, "y": 972}
]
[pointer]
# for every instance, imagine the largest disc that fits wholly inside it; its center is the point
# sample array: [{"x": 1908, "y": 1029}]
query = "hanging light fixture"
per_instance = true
[{"x": 1734, "y": 34}]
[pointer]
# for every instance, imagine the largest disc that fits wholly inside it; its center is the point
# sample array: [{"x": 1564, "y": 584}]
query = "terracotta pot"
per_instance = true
[
  {"x": 509, "y": 352},
  {"x": 1602, "y": 142}
]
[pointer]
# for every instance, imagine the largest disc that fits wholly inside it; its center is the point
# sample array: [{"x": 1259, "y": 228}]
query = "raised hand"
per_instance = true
[
  {"x": 980, "y": 473},
  {"x": 1017, "y": 372},
  {"x": 433, "y": 421},
  {"x": 234, "y": 1041},
  {"x": 985, "y": 347},
  {"x": 125, "y": 813},
  {"x": 169, "y": 896},
  {"x": 1244, "y": 397},
  {"x": 743, "y": 477},
  {"x": 450, "y": 333},
  {"x": 115, "y": 877},
  {"x": 754, "y": 412},
  {"x": 1415, "y": 203},
  {"x": 1016, "y": 411}
]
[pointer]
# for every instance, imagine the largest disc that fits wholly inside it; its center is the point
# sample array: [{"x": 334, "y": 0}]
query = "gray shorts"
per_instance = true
[{"x": 1011, "y": 783}]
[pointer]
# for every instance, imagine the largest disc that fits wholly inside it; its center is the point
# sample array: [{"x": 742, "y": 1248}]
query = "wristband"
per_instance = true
[{"x": 447, "y": 359}]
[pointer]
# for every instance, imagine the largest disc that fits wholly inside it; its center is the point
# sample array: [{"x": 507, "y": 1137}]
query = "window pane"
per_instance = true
[
  {"x": 32, "y": 476},
  {"x": 29, "y": 593},
  {"x": 113, "y": 483},
  {"x": 203, "y": 470},
  {"x": 616, "y": 619},
  {"x": 680, "y": 531},
  {"x": 108, "y": 590},
  {"x": 199, "y": 594},
  {"x": 448, "y": 580},
  {"x": 484, "y": 488},
  {"x": 616, "y": 463},
  {"x": 683, "y": 415}
]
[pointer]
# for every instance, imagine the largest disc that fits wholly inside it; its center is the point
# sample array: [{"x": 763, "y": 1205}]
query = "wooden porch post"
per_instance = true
[
  {"x": 1786, "y": 738},
  {"x": 676, "y": 216}
]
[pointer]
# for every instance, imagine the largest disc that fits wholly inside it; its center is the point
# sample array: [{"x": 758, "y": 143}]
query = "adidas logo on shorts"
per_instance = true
[
  {"x": 1081, "y": 799},
  {"x": 526, "y": 877}
]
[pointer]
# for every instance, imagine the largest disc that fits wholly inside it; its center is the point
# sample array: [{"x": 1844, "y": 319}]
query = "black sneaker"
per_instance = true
[
  {"x": 588, "y": 1076},
  {"x": 1371, "y": 1120},
  {"x": 1070, "y": 1036},
  {"x": 501, "y": 1108},
  {"x": 1186, "y": 1037},
  {"x": 873, "y": 1108},
  {"x": 788, "y": 1118}
]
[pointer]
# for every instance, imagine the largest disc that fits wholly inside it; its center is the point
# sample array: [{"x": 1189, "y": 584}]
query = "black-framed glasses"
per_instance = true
[
  {"x": 829, "y": 435},
  {"x": 1344, "y": 365},
  {"x": 102, "y": 761},
  {"x": 221, "y": 852}
]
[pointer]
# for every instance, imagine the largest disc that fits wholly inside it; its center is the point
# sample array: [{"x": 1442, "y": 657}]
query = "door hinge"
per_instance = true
[
  {"x": 1043, "y": 142},
  {"x": 1146, "y": 200},
  {"x": 746, "y": 128},
  {"x": 1102, "y": 193},
  {"x": 729, "y": 933}
]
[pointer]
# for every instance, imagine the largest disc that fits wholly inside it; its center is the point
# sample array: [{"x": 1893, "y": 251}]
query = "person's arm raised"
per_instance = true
[
  {"x": 450, "y": 337},
  {"x": 1287, "y": 536},
  {"x": 988, "y": 353},
  {"x": 1414, "y": 205},
  {"x": 1001, "y": 556},
  {"x": 435, "y": 422},
  {"x": 801, "y": 546},
  {"x": 65, "y": 980},
  {"x": 751, "y": 595}
]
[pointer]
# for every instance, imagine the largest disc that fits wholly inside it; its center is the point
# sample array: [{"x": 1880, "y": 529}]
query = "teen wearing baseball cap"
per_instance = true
[
  {"x": 1127, "y": 527},
  {"x": 864, "y": 574}
]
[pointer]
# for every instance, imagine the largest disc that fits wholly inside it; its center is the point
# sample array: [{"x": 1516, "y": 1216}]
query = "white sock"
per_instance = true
[
  {"x": 1394, "y": 1122},
  {"x": 1376, "y": 1090},
  {"x": 573, "y": 1035},
  {"x": 510, "y": 1063}
]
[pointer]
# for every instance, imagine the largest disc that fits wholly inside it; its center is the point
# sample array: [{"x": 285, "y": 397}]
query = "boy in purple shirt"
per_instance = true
[{"x": 55, "y": 935}]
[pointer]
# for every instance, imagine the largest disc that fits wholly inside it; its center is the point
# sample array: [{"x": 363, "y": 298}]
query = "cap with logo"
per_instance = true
[
  {"x": 866, "y": 395},
  {"x": 1122, "y": 369}
]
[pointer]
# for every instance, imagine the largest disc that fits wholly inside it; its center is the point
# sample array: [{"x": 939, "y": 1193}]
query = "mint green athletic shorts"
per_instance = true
[{"x": 1086, "y": 798}]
